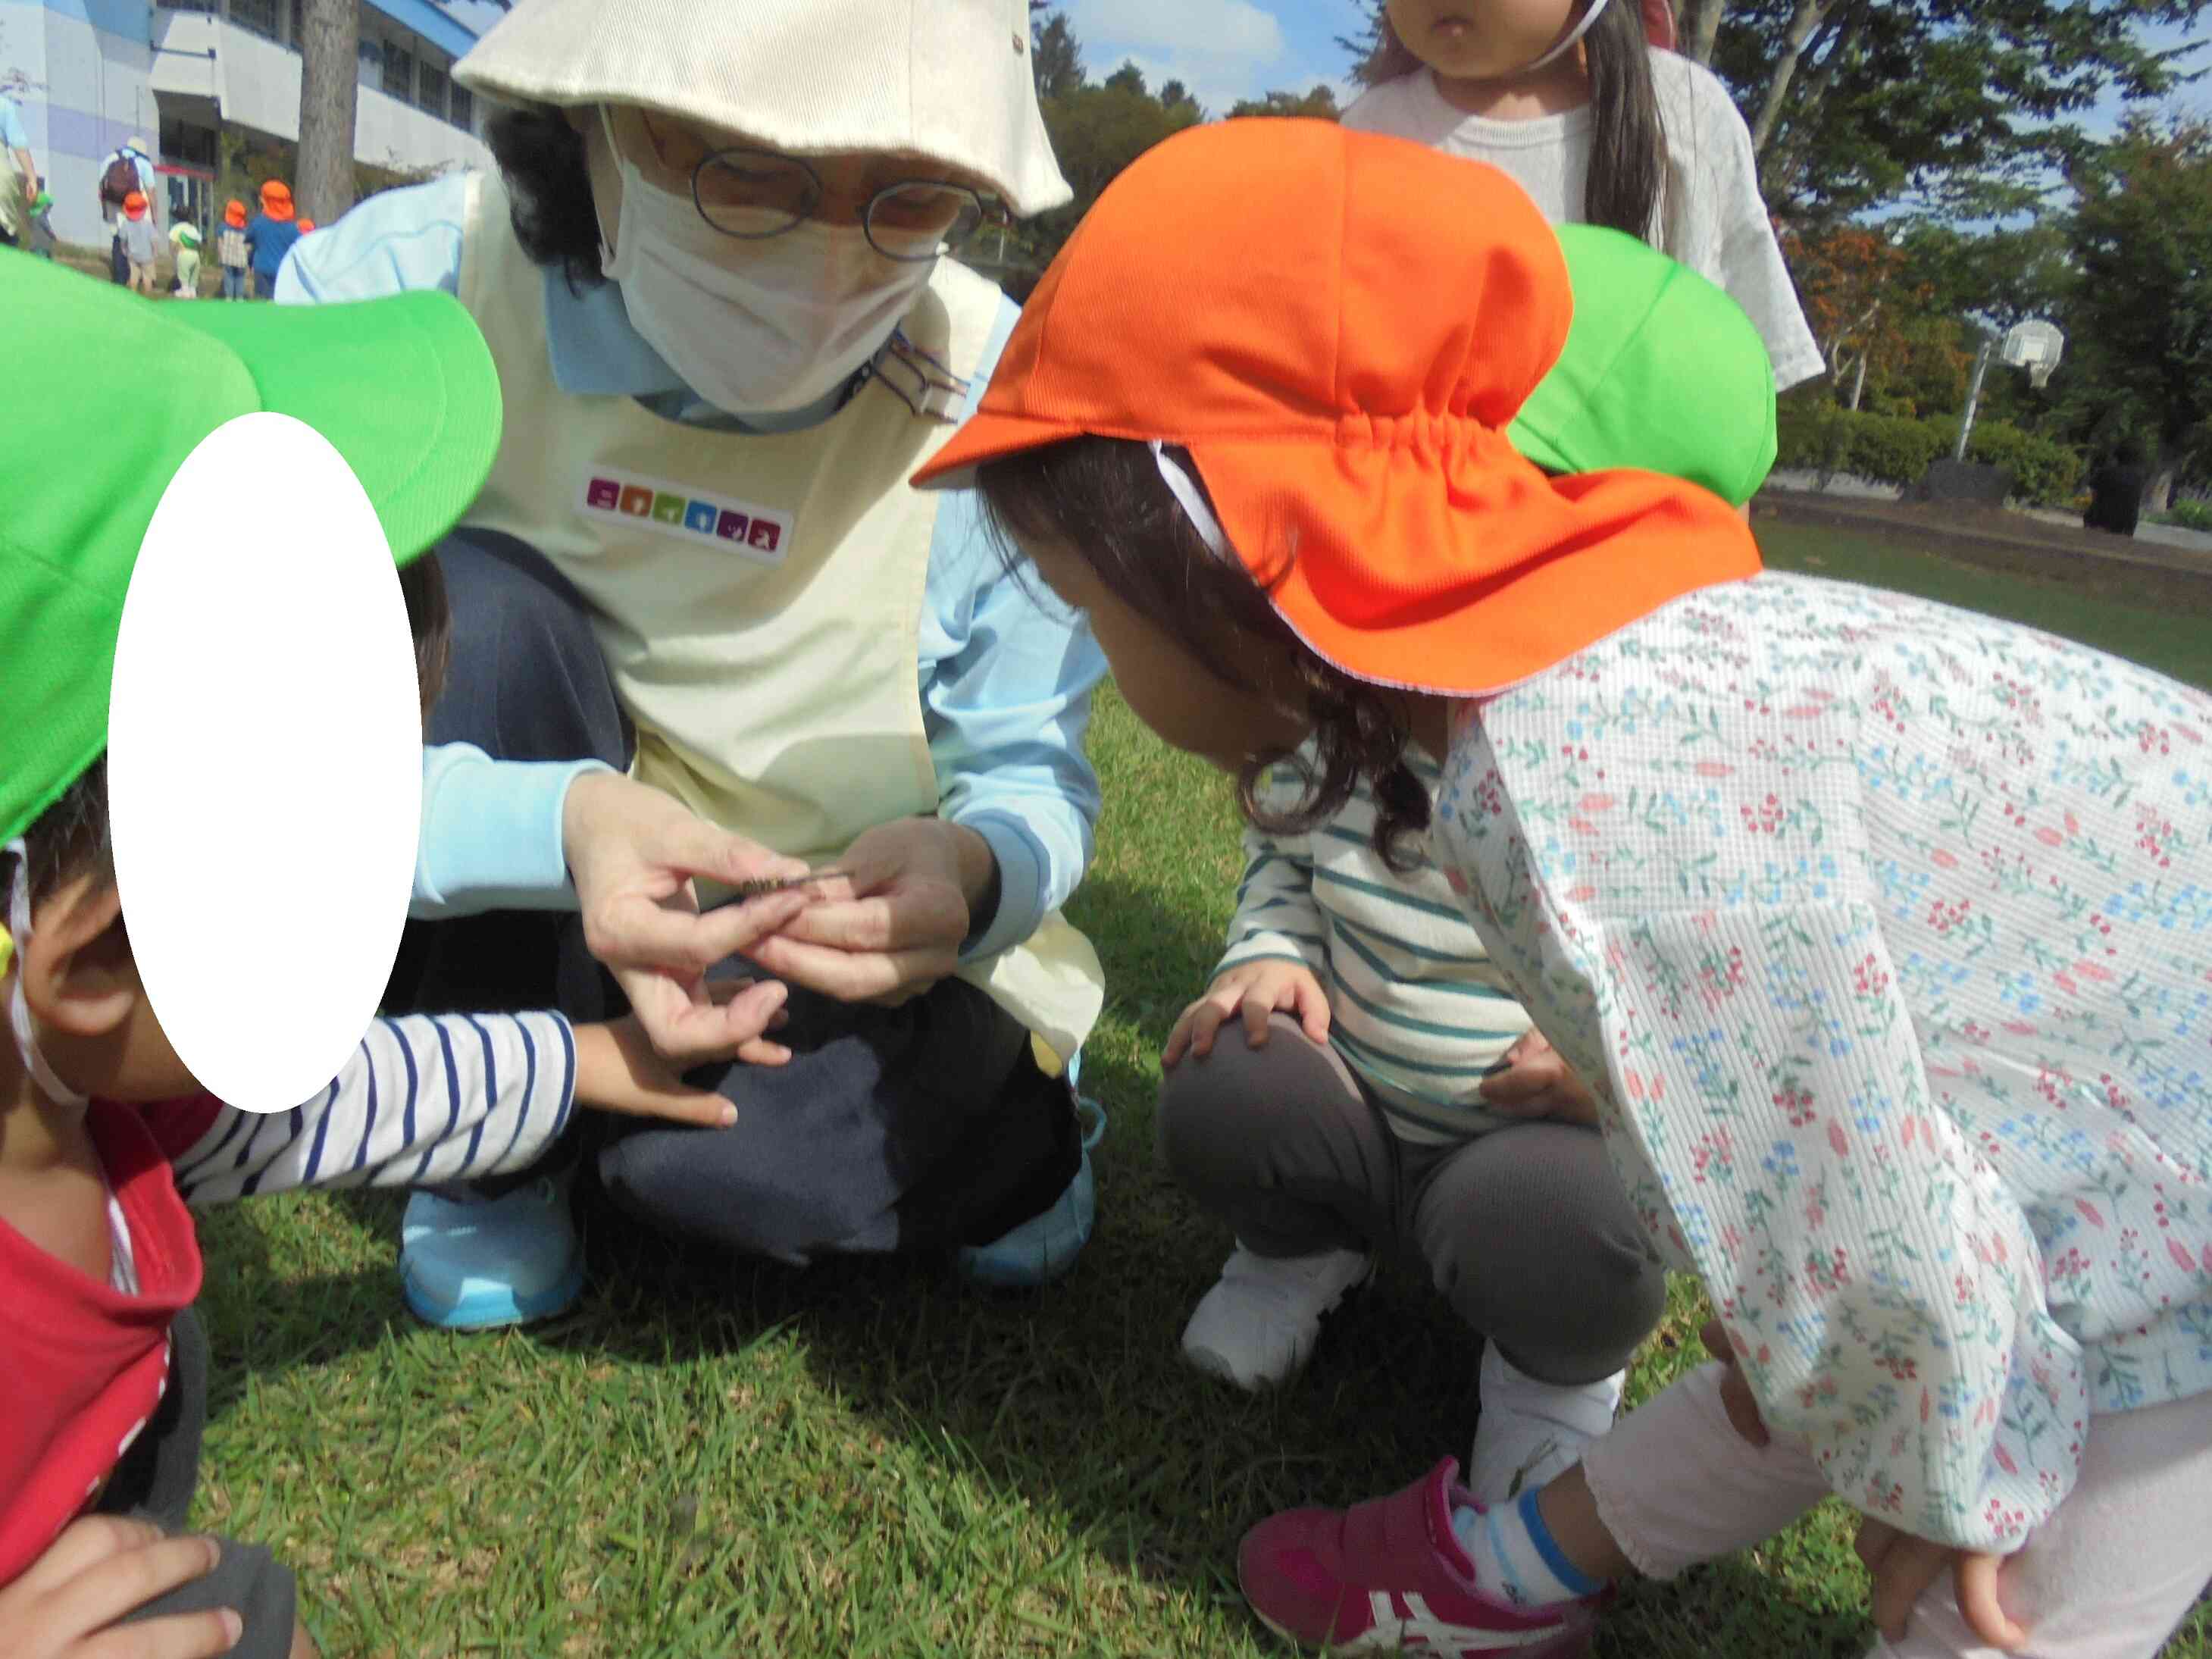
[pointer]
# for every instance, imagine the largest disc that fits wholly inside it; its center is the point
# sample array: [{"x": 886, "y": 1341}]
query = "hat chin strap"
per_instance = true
[
  {"x": 1573, "y": 37},
  {"x": 1186, "y": 491},
  {"x": 18, "y": 1010}
]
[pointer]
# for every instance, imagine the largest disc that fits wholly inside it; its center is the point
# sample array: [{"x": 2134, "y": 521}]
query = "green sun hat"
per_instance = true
[
  {"x": 123, "y": 389},
  {"x": 1662, "y": 371}
]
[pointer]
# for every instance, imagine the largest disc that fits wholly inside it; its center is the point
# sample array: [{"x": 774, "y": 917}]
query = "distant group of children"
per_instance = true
[
  {"x": 249, "y": 252},
  {"x": 1875, "y": 938}
]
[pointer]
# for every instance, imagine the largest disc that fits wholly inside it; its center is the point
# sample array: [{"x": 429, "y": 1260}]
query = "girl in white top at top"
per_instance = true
[{"x": 1601, "y": 126}]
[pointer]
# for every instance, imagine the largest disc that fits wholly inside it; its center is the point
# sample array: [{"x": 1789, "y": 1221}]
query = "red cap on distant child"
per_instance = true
[
  {"x": 134, "y": 204},
  {"x": 233, "y": 214},
  {"x": 277, "y": 199},
  {"x": 1337, "y": 327}
]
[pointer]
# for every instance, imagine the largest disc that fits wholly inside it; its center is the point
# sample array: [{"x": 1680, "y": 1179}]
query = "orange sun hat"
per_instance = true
[
  {"x": 233, "y": 214},
  {"x": 1338, "y": 326},
  {"x": 277, "y": 199},
  {"x": 134, "y": 204}
]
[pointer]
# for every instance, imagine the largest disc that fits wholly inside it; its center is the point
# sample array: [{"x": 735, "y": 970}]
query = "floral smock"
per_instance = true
[{"x": 1887, "y": 930}]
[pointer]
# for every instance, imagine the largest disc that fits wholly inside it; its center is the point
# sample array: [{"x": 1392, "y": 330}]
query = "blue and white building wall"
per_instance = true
[{"x": 89, "y": 74}]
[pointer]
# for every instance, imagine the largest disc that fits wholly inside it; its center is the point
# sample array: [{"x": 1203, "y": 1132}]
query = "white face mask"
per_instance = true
[
  {"x": 754, "y": 327},
  {"x": 18, "y": 1010}
]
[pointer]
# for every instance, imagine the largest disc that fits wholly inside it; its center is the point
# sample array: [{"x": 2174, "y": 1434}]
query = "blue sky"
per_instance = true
[{"x": 1225, "y": 50}]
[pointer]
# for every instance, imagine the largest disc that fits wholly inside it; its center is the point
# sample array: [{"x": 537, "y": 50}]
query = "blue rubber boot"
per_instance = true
[
  {"x": 1043, "y": 1248},
  {"x": 471, "y": 1264}
]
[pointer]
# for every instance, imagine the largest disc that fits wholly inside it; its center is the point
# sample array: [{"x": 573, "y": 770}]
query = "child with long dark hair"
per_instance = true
[
  {"x": 1580, "y": 101},
  {"x": 1881, "y": 930}
]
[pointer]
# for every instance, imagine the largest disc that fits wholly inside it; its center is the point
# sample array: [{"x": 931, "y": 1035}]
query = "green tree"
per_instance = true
[
  {"x": 2139, "y": 326},
  {"x": 1096, "y": 131},
  {"x": 1055, "y": 55},
  {"x": 1319, "y": 104}
]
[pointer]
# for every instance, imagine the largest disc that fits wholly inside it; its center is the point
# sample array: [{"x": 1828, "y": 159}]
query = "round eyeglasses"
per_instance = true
[{"x": 754, "y": 194}]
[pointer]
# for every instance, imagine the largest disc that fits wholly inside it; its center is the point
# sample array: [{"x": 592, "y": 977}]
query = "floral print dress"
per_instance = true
[{"x": 1888, "y": 929}]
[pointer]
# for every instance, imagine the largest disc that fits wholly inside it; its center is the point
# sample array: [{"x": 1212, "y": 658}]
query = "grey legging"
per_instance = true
[{"x": 1525, "y": 1230}]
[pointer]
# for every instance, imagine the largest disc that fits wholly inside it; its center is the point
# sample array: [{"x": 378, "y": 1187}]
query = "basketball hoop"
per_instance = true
[{"x": 2034, "y": 346}]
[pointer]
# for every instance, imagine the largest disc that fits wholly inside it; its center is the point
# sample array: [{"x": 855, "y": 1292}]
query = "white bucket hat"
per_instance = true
[{"x": 946, "y": 79}]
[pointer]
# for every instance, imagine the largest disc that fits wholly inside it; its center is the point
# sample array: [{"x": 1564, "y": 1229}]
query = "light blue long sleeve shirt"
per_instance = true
[{"x": 1005, "y": 673}]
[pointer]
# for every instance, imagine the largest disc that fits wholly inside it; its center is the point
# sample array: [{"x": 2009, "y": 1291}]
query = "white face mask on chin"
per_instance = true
[{"x": 754, "y": 327}]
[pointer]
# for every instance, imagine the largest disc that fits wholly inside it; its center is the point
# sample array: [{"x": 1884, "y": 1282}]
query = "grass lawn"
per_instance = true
[{"x": 706, "y": 1459}]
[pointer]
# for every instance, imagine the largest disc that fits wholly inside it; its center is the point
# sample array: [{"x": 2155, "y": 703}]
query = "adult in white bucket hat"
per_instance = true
[{"x": 713, "y": 271}]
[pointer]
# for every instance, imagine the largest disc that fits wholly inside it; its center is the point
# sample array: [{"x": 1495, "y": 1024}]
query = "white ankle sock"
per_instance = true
[{"x": 1514, "y": 1556}]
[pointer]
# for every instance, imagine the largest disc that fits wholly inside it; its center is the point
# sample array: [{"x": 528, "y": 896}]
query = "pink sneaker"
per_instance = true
[{"x": 1386, "y": 1576}]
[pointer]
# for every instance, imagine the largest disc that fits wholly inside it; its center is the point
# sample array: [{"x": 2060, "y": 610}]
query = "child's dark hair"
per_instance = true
[
  {"x": 1103, "y": 499},
  {"x": 549, "y": 183},
  {"x": 1628, "y": 146},
  {"x": 72, "y": 836}
]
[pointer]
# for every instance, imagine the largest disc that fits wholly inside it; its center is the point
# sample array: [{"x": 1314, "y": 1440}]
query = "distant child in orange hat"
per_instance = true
[
  {"x": 137, "y": 232},
  {"x": 1580, "y": 102},
  {"x": 1878, "y": 928},
  {"x": 231, "y": 252},
  {"x": 270, "y": 236}
]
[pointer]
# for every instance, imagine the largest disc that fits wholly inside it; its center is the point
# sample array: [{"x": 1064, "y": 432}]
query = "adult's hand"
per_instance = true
[
  {"x": 888, "y": 923},
  {"x": 633, "y": 853}
]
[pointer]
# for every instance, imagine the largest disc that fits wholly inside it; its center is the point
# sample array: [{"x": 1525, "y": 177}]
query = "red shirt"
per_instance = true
[{"x": 82, "y": 1365}]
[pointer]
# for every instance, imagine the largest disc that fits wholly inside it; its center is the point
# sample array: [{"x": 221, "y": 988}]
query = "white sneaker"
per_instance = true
[
  {"x": 1257, "y": 1327},
  {"x": 1530, "y": 1431}
]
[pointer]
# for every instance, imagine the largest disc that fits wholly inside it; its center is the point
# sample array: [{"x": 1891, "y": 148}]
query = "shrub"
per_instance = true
[
  {"x": 2044, "y": 473},
  {"x": 2191, "y": 515},
  {"x": 1891, "y": 448}
]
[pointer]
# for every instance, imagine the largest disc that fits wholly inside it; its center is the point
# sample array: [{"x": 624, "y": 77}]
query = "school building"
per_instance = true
[{"x": 185, "y": 77}]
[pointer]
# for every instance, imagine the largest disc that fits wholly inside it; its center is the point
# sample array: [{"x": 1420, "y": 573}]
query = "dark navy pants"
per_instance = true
[{"x": 921, "y": 1127}]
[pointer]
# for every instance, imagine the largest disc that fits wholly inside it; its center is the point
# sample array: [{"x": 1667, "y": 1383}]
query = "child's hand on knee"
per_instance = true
[
  {"x": 618, "y": 1070},
  {"x": 67, "y": 1604},
  {"x": 1532, "y": 1081},
  {"x": 1903, "y": 1566},
  {"x": 1259, "y": 990},
  {"x": 1741, "y": 1405}
]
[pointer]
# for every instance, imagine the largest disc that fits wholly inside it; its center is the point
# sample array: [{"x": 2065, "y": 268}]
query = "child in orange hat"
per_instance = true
[
  {"x": 1879, "y": 928},
  {"x": 270, "y": 236},
  {"x": 137, "y": 232},
  {"x": 231, "y": 252}
]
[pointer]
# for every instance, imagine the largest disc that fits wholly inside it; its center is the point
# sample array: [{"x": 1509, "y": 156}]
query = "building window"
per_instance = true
[
  {"x": 399, "y": 73},
  {"x": 465, "y": 109},
  {"x": 255, "y": 16},
  {"x": 432, "y": 92}
]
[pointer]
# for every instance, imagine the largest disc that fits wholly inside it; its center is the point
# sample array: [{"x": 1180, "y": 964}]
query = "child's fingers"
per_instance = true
[
  {"x": 83, "y": 1545},
  {"x": 124, "y": 1582},
  {"x": 1260, "y": 1010},
  {"x": 1906, "y": 1571},
  {"x": 1974, "y": 1577},
  {"x": 1312, "y": 1009},
  {"x": 1206, "y": 1017},
  {"x": 179, "y": 1636},
  {"x": 1736, "y": 1397}
]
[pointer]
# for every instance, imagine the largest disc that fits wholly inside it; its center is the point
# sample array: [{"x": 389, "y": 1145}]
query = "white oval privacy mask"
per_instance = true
[{"x": 265, "y": 762}]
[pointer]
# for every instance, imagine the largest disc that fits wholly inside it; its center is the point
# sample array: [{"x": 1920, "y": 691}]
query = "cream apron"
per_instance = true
[{"x": 757, "y": 596}]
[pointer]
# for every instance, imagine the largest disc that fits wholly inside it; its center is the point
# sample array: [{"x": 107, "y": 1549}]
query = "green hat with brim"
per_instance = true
[
  {"x": 1662, "y": 371},
  {"x": 121, "y": 390}
]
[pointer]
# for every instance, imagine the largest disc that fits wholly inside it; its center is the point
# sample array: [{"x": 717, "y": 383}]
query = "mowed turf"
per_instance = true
[{"x": 866, "y": 1459}]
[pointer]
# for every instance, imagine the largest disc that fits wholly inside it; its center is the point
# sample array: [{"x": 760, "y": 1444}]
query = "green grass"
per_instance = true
[{"x": 713, "y": 1459}]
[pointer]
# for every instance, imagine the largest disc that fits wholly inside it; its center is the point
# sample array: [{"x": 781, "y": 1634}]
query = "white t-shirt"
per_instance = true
[{"x": 1711, "y": 216}]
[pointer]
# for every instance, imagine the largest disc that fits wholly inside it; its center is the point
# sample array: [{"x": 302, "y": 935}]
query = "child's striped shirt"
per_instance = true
[
  {"x": 1415, "y": 1007},
  {"x": 424, "y": 1099}
]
